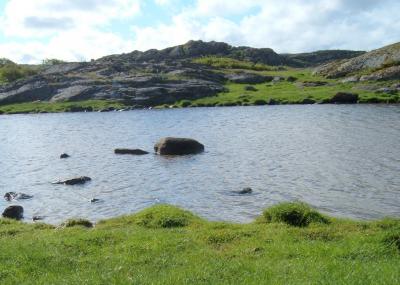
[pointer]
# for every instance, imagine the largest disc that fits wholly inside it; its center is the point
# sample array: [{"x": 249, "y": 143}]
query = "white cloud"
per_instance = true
[
  {"x": 69, "y": 45},
  {"x": 286, "y": 26},
  {"x": 76, "y": 29},
  {"x": 39, "y": 18}
]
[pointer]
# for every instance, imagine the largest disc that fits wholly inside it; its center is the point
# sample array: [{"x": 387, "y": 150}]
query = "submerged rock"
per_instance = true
[
  {"x": 130, "y": 151},
  {"x": 64, "y": 155},
  {"x": 95, "y": 200},
  {"x": 14, "y": 212},
  {"x": 38, "y": 218},
  {"x": 246, "y": 190},
  {"x": 74, "y": 181},
  {"x": 9, "y": 196},
  {"x": 178, "y": 146}
]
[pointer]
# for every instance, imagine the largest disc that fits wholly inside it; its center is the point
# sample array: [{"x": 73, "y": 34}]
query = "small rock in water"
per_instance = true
[
  {"x": 64, "y": 155},
  {"x": 9, "y": 196},
  {"x": 95, "y": 200},
  {"x": 38, "y": 218},
  {"x": 13, "y": 212},
  {"x": 130, "y": 151},
  {"x": 74, "y": 181},
  {"x": 246, "y": 190}
]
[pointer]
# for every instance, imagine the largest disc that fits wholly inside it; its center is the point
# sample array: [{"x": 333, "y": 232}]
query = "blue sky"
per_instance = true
[{"x": 32, "y": 30}]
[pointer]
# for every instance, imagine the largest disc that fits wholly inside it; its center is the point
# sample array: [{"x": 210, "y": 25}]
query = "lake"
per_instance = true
[{"x": 342, "y": 159}]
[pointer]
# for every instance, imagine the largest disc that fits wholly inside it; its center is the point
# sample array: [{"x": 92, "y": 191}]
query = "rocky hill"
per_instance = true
[
  {"x": 148, "y": 78},
  {"x": 379, "y": 64}
]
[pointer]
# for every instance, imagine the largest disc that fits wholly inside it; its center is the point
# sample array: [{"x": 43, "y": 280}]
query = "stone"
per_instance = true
[
  {"x": 130, "y": 151},
  {"x": 246, "y": 190},
  {"x": 38, "y": 218},
  {"x": 178, "y": 146},
  {"x": 250, "y": 88},
  {"x": 64, "y": 155},
  {"x": 75, "y": 181},
  {"x": 308, "y": 101},
  {"x": 14, "y": 212},
  {"x": 248, "y": 78},
  {"x": 312, "y": 83},
  {"x": 344, "y": 98},
  {"x": 9, "y": 196}
]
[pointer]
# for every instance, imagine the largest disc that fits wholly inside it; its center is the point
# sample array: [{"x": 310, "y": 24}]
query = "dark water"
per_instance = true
[{"x": 344, "y": 160}]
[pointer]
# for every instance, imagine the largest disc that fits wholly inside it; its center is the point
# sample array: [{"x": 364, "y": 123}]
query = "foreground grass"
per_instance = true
[{"x": 288, "y": 244}]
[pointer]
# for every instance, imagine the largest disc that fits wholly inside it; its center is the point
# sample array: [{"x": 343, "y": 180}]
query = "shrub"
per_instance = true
[
  {"x": 259, "y": 102},
  {"x": 294, "y": 214},
  {"x": 164, "y": 216},
  {"x": 13, "y": 72},
  {"x": 185, "y": 103},
  {"x": 52, "y": 61}
]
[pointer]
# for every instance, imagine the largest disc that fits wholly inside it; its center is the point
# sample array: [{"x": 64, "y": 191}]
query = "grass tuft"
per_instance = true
[
  {"x": 77, "y": 222},
  {"x": 294, "y": 214},
  {"x": 164, "y": 216}
]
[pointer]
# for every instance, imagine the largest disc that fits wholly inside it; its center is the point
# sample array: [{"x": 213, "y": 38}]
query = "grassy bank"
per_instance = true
[
  {"x": 286, "y": 92},
  {"x": 47, "y": 107},
  {"x": 288, "y": 244},
  {"x": 292, "y": 91}
]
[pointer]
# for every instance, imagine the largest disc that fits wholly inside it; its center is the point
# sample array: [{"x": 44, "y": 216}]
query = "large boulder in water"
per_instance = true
[
  {"x": 178, "y": 146},
  {"x": 14, "y": 212}
]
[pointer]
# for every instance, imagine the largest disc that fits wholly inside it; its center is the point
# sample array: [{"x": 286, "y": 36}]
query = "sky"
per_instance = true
[{"x": 78, "y": 30}]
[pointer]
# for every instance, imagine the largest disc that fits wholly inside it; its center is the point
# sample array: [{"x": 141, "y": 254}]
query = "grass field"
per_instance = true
[
  {"x": 284, "y": 92},
  {"x": 287, "y": 244},
  {"x": 47, "y": 107}
]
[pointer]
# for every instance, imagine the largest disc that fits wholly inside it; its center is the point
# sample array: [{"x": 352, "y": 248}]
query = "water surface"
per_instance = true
[{"x": 342, "y": 159}]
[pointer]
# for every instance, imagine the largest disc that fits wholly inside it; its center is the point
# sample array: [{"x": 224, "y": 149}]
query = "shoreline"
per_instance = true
[
  {"x": 116, "y": 106},
  {"x": 254, "y": 220}
]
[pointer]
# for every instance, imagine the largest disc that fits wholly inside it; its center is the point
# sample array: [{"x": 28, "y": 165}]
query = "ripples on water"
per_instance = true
[{"x": 344, "y": 160}]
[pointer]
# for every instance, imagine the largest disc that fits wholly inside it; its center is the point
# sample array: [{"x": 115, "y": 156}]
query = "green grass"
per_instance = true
[
  {"x": 40, "y": 107},
  {"x": 167, "y": 245},
  {"x": 230, "y": 63},
  {"x": 285, "y": 92}
]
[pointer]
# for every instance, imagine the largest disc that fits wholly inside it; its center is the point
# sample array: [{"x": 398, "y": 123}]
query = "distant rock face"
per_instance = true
[
  {"x": 178, "y": 146},
  {"x": 320, "y": 57},
  {"x": 376, "y": 59},
  {"x": 390, "y": 73},
  {"x": 14, "y": 212},
  {"x": 150, "y": 78}
]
